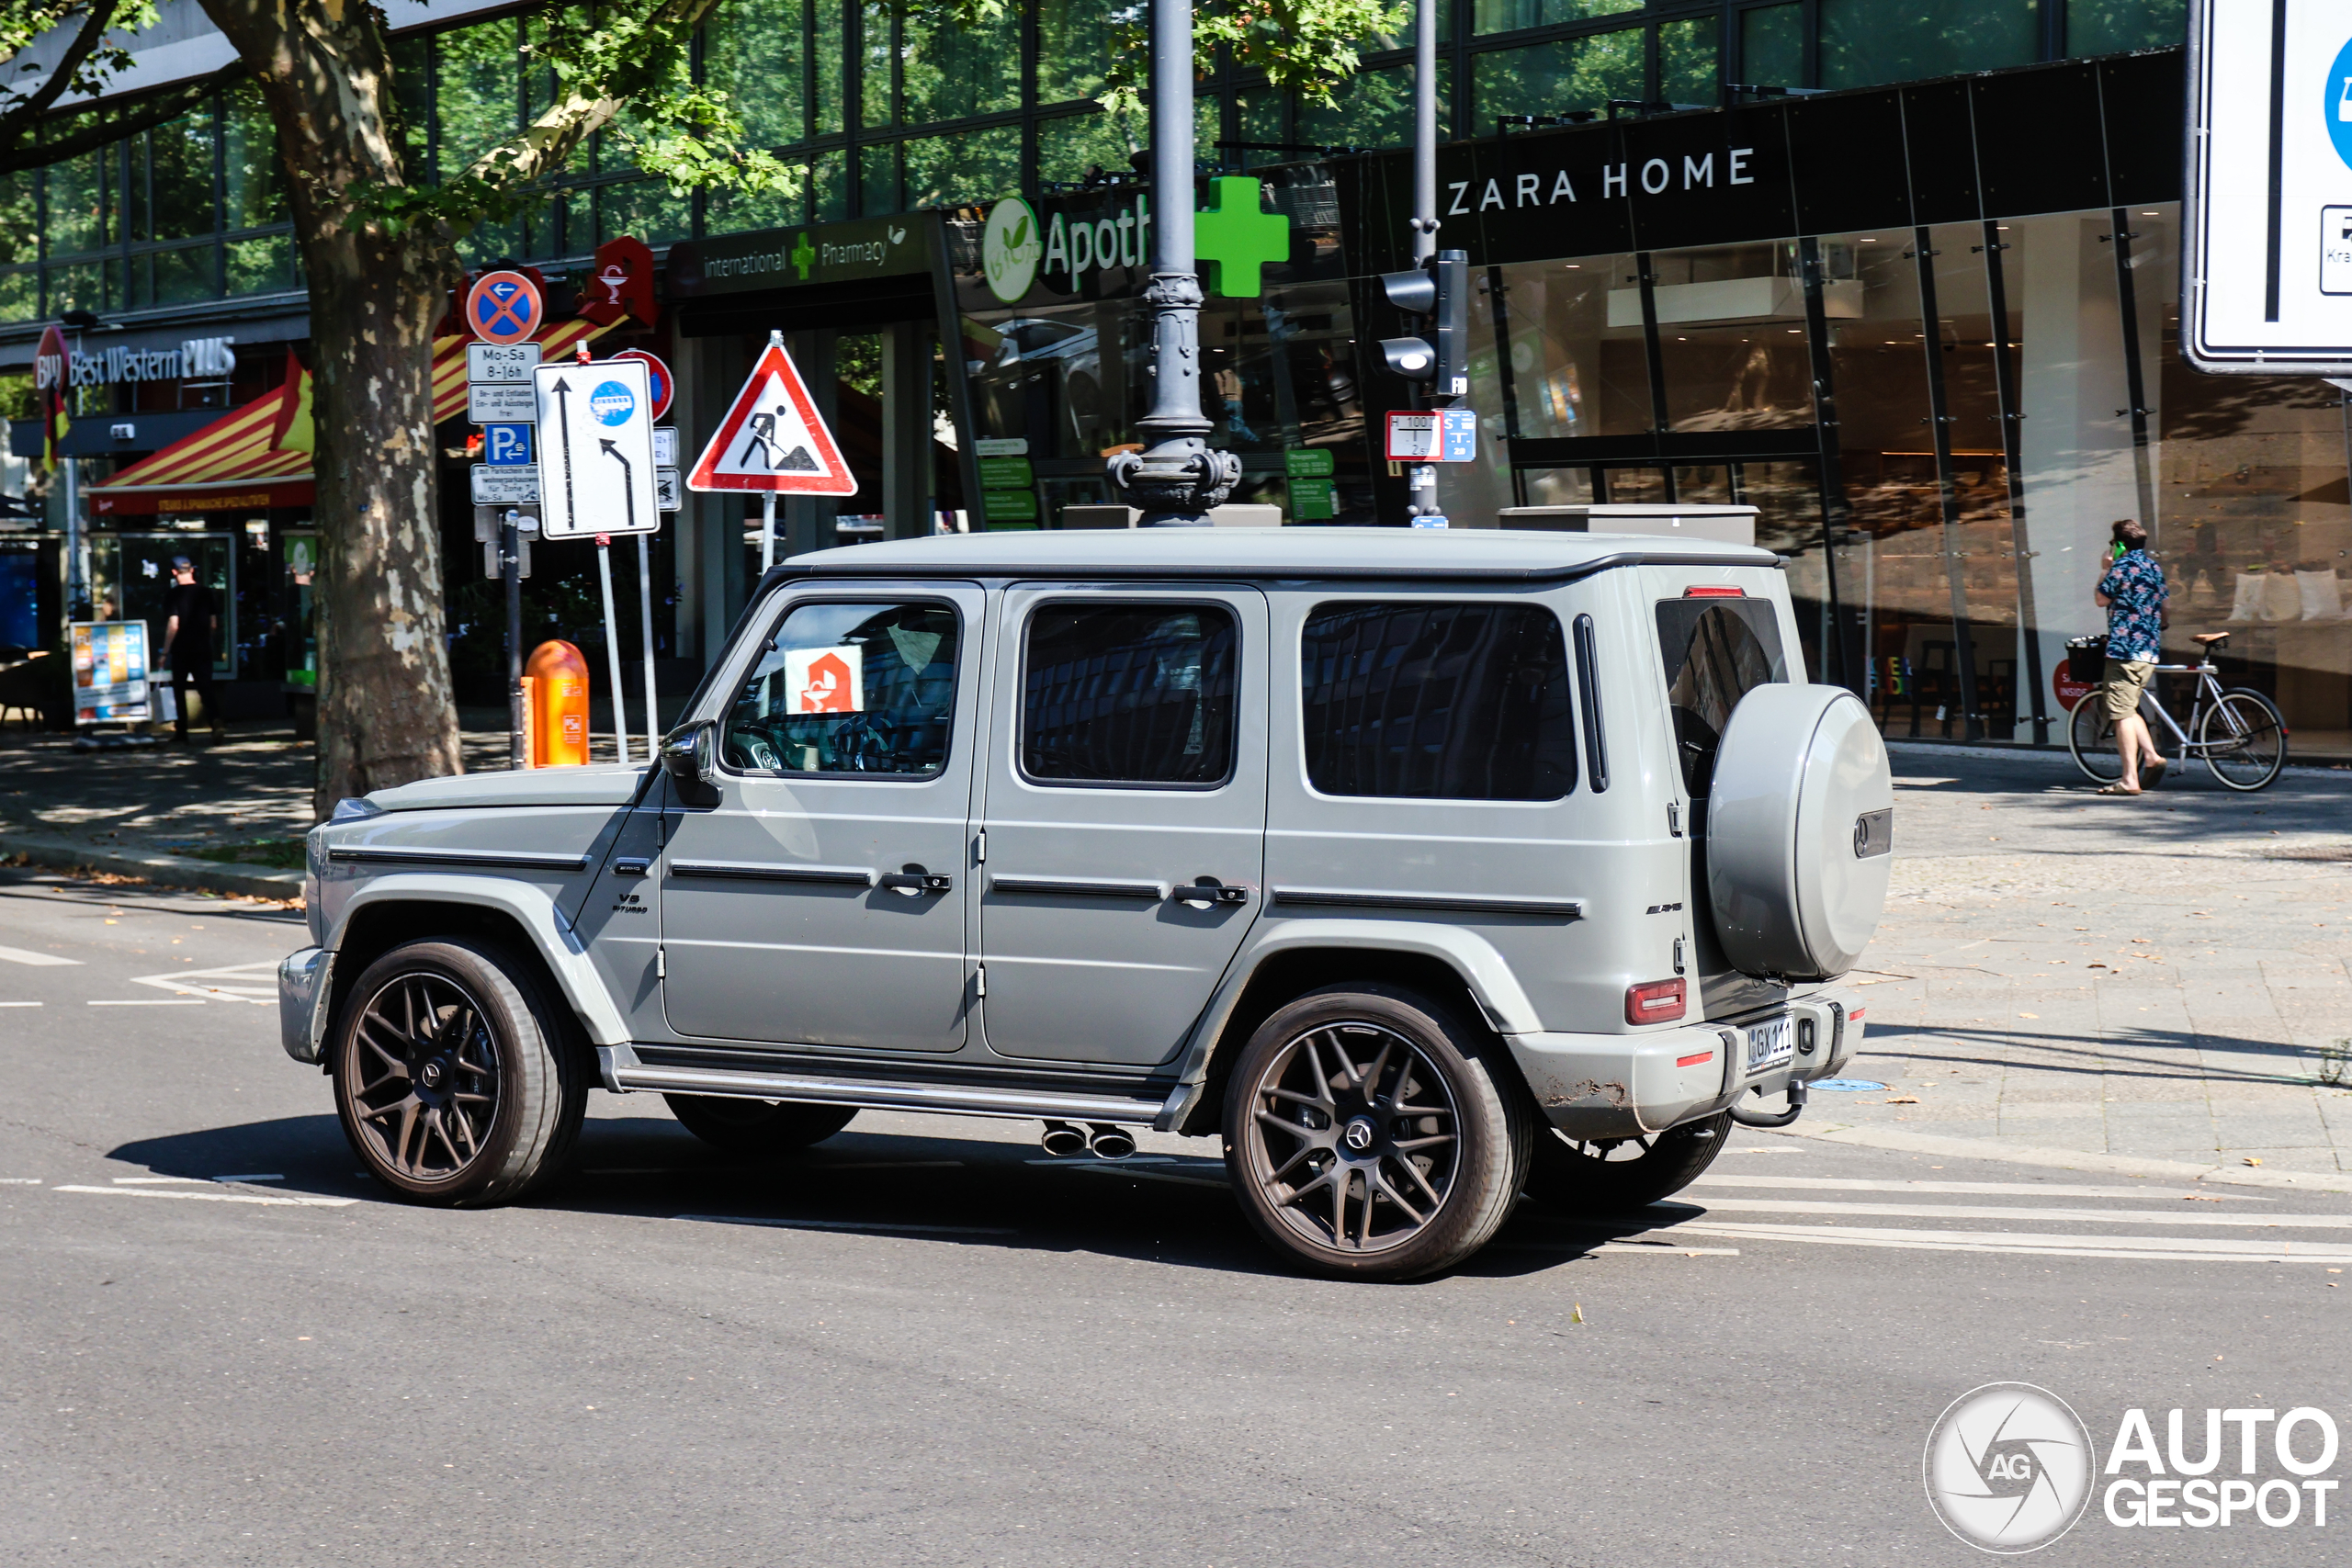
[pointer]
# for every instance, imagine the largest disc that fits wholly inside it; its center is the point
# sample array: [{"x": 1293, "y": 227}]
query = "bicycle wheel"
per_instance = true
[
  {"x": 2243, "y": 738},
  {"x": 2090, "y": 736}
]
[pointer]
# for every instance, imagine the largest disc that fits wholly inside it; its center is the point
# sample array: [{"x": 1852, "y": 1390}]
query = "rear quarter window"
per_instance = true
[
  {"x": 1437, "y": 702},
  {"x": 1714, "y": 652}
]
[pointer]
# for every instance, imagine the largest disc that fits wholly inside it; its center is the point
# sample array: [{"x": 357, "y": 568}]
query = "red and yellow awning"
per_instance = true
[
  {"x": 259, "y": 456},
  {"x": 255, "y": 455}
]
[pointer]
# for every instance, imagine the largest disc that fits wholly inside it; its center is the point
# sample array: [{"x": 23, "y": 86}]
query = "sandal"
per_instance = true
[
  {"x": 2117, "y": 789},
  {"x": 2152, "y": 773}
]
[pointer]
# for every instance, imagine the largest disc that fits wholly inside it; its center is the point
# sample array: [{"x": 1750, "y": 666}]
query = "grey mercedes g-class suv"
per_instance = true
[{"x": 1423, "y": 869}]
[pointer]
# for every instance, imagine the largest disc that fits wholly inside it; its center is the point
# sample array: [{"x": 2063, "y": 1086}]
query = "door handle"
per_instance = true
[
  {"x": 1207, "y": 893},
  {"x": 914, "y": 881}
]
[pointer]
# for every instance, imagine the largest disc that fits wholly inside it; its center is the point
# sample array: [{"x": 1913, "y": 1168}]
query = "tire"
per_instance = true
[
  {"x": 2090, "y": 736},
  {"x": 1313, "y": 1096},
  {"x": 757, "y": 1127},
  {"x": 1611, "y": 1178},
  {"x": 2243, "y": 739},
  {"x": 455, "y": 1077}
]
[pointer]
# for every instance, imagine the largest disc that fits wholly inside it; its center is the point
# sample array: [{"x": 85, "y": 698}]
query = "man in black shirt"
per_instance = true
[{"x": 190, "y": 621}]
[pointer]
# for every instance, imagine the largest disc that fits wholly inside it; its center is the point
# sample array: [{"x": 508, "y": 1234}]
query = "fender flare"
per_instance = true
[
  {"x": 1482, "y": 969},
  {"x": 533, "y": 909}
]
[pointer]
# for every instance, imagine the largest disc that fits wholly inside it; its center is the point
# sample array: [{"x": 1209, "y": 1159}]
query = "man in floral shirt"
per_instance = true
[{"x": 2133, "y": 594}]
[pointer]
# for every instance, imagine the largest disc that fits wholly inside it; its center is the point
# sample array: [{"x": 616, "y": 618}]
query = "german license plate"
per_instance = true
[{"x": 1771, "y": 1044}]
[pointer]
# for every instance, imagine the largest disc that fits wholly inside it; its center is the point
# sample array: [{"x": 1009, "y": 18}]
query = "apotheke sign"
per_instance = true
[{"x": 195, "y": 357}]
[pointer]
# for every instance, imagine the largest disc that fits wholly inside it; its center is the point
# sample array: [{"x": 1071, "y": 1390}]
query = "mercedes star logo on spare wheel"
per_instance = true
[{"x": 2009, "y": 1467}]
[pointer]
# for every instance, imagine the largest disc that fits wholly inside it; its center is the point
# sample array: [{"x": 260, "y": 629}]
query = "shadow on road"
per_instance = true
[{"x": 1167, "y": 1210}]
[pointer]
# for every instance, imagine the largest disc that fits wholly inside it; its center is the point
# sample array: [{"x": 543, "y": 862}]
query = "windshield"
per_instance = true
[{"x": 1715, "y": 651}]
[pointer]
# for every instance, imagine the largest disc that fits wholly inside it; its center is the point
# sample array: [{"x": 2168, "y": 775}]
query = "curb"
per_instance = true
[
  {"x": 161, "y": 870},
  {"x": 2069, "y": 1159}
]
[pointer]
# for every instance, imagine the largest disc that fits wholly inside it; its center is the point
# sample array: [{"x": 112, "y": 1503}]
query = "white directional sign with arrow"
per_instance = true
[{"x": 596, "y": 450}]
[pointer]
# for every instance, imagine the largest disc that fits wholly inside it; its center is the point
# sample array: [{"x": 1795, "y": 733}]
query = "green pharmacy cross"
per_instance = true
[
  {"x": 1238, "y": 236},
  {"x": 804, "y": 255}
]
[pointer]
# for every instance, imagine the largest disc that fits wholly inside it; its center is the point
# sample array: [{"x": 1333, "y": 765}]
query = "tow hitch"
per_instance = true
[{"x": 1748, "y": 1118}]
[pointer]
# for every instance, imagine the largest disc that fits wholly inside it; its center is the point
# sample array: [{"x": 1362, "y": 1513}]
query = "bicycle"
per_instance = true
[{"x": 2240, "y": 733}]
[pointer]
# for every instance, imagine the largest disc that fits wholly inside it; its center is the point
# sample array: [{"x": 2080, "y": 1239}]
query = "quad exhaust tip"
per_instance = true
[{"x": 1102, "y": 1139}]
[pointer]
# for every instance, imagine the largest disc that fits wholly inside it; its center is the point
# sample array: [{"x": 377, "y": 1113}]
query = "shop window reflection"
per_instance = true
[
  {"x": 1731, "y": 335},
  {"x": 2254, "y": 525},
  {"x": 1578, "y": 366}
]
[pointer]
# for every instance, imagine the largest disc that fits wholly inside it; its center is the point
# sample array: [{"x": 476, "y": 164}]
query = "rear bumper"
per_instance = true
[
  {"x": 301, "y": 993},
  {"x": 1621, "y": 1086}
]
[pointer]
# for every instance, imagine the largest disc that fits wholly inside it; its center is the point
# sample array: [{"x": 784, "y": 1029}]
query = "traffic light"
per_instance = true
[{"x": 1438, "y": 292}]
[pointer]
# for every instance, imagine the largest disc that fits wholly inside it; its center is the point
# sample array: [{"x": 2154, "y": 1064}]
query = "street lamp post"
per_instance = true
[{"x": 1177, "y": 478}]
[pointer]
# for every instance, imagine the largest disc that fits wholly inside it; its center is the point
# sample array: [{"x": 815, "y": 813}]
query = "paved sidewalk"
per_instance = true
[
  {"x": 226, "y": 817},
  {"x": 2149, "y": 980}
]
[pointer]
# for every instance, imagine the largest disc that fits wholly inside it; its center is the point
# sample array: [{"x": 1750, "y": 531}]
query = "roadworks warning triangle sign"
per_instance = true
[{"x": 774, "y": 439}]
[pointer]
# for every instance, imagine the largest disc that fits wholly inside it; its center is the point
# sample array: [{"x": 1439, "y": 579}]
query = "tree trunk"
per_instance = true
[{"x": 384, "y": 711}]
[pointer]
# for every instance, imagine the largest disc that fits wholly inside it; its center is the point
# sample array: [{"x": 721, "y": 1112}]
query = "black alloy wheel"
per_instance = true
[
  {"x": 452, "y": 1077},
  {"x": 1368, "y": 1135}
]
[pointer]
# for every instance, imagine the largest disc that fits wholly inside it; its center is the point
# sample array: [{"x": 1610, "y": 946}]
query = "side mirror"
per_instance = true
[{"x": 686, "y": 758}]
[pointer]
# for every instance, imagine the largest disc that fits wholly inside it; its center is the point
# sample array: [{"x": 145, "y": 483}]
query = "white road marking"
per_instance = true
[
  {"x": 19, "y": 1004},
  {"x": 271, "y": 1177},
  {"x": 2007, "y": 1212},
  {"x": 149, "y": 1002},
  {"x": 271, "y": 1198},
  {"x": 1663, "y": 1248},
  {"x": 255, "y": 983},
  {"x": 20, "y": 1181},
  {"x": 848, "y": 1225},
  {"x": 39, "y": 959},
  {"x": 151, "y": 1181},
  {"x": 1999, "y": 1189},
  {"x": 2173, "y": 1249}
]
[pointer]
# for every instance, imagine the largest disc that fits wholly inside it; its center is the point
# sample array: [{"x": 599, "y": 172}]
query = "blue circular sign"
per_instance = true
[
  {"x": 2336, "y": 103},
  {"x": 612, "y": 403}
]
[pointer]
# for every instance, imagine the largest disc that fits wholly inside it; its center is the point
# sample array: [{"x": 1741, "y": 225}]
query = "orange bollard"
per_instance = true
[{"x": 558, "y": 693}]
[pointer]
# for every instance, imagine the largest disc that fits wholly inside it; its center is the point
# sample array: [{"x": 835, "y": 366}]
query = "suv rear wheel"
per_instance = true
[
  {"x": 1616, "y": 1174},
  {"x": 453, "y": 1077},
  {"x": 757, "y": 1127},
  {"x": 1369, "y": 1133}
]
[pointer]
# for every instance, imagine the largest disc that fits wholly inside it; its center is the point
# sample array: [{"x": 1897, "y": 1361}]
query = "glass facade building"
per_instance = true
[{"x": 1785, "y": 253}]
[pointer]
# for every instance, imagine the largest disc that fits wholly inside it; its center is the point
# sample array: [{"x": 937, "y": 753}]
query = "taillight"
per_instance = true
[
  {"x": 1655, "y": 1001},
  {"x": 1715, "y": 594},
  {"x": 1702, "y": 1057}
]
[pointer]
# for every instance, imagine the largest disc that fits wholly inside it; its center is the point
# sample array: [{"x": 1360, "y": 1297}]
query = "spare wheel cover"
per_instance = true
[{"x": 1799, "y": 829}]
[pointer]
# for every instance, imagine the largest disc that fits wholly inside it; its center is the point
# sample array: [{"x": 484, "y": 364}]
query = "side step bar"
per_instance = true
[{"x": 622, "y": 1073}]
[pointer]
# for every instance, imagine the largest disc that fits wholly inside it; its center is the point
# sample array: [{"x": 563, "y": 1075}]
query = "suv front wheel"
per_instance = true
[
  {"x": 1369, "y": 1133},
  {"x": 452, "y": 1075}
]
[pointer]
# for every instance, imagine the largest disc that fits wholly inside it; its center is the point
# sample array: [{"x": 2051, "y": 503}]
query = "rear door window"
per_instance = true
[
  {"x": 1437, "y": 702},
  {"x": 1129, "y": 694},
  {"x": 1715, "y": 651}
]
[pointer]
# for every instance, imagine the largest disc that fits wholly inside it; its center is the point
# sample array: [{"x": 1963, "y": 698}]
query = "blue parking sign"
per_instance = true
[
  {"x": 1459, "y": 435},
  {"x": 507, "y": 445}
]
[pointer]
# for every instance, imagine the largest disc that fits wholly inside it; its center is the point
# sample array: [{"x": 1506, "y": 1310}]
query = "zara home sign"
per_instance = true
[{"x": 1612, "y": 182}]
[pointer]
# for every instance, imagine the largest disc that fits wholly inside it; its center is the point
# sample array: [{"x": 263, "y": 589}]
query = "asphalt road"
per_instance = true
[{"x": 925, "y": 1344}]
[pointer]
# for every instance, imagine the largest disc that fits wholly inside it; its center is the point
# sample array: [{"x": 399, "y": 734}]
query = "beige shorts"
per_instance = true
[{"x": 2123, "y": 681}]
